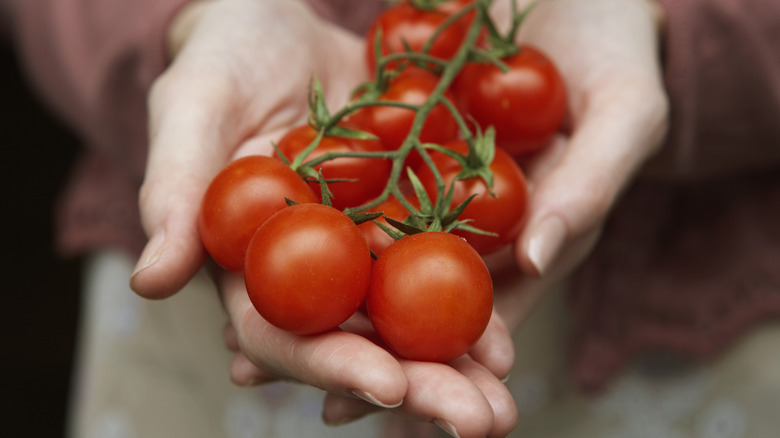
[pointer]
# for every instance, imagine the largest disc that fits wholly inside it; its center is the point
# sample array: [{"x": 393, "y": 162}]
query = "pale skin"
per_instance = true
[{"x": 229, "y": 91}]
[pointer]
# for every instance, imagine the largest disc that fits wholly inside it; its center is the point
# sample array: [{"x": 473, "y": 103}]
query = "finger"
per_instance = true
[
  {"x": 495, "y": 350},
  {"x": 187, "y": 148},
  {"x": 244, "y": 373},
  {"x": 340, "y": 362},
  {"x": 505, "y": 412},
  {"x": 230, "y": 337},
  {"x": 338, "y": 410},
  {"x": 441, "y": 394},
  {"x": 438, "y": 393}
]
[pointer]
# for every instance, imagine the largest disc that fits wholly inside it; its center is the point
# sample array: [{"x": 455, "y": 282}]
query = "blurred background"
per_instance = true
[{"x": 40, "y": 289}]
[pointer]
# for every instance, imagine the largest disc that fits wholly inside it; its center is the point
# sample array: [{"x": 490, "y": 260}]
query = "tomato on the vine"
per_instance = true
[
  {"x": 430, "y": 296},
  {"x": 378, "y": 240},
  {"x": 392, "y": 124},
  {"x": 368, "y": 175},
  {"x": 526, "y": 104},
  {"x": 404, "y": 25},
  {"x": 503, "y": 214},
  {"x": 239, "y": 199},
  {"x": 307, "y": 268}
]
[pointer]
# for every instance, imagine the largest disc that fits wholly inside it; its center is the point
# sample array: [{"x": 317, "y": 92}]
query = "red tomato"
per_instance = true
[
  {"x": 239, "y": 199},
  {"x": 392, "y": 124},
  {"x": 370, "y": 174},
  {"x": 430, "y": 297},
  {"x": 307, "y": 269},
  {"x": 454, "y": 6},
  {"x": 405, "y": 23},
  {"x": 503, "y": 214},
  {"x": 526, "y": 105},
  {"x": 377, "y": 239}
]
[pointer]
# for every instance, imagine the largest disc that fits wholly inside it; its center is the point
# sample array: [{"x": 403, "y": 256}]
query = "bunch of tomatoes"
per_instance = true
[{"x": 387, "y": 205}]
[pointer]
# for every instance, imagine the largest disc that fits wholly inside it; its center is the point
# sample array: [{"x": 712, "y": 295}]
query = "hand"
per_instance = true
[
  {"x": 238, "y": 80},
  {"x": 608, "y": 54},
  {"x": 229, "y": 91},
  {"x": 360, "y": 377}
]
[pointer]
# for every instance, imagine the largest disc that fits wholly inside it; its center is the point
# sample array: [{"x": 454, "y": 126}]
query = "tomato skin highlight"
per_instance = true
[
  {"x": 307, "y": 269},
  {"x": 503, "y": 214},
  {"x": 526, "y": 105},
  {"x": 239, "y": 199},
  {"x": 431, "y": 297},
  {"x": 371, "y": 174},
  {"x": 392, "y": 124}
]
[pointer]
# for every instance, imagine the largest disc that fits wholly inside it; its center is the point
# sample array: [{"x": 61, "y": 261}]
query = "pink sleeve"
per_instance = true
[
  {"x": 687, "y": 266},
  {"x": 722, "y": 71},
  {"x": 93, "y": 61}
]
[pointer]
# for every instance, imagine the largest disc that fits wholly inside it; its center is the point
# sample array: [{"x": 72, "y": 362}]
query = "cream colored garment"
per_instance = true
[{"x": 152, "y": 369}]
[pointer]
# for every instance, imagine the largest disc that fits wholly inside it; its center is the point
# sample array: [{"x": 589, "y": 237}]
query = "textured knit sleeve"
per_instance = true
[
  {"x": 687, "y": 265},
  {"x": 93, "y": 62},
  {"x": 722, "y": 72}
]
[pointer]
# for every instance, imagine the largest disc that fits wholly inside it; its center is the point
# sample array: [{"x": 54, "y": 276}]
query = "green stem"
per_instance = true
[
  {"x": 358, "y": 104},
  {"x": 333, "y": 155},
  {"x": 448, "y": 74}
]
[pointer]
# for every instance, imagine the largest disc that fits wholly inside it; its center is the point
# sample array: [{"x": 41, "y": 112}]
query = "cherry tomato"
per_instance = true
[
  {"x": 503, "y": 214},
  {"x": 378, "y": 240},
  {"x": 526, "y": 105},
  {"x": 403, "y": 23},
  {"x": 392, "y": 124},
  {"x": 369, "y": 174},
  {"x": 454, "y": 6},
  {"x": 307, "y": 269},
  {"x": 430, "y": 296},
  {"x": 239, "y": 199}
]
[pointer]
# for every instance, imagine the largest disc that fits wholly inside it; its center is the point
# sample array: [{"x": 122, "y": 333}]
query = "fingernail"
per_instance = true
[
  {"x": 373, "y": 400},
  {"x": 446, "y": 426},
  {"x": 546, "y": 240},
  {"x": 505, "y": 379},
  {"x": 151, "y": 253}
]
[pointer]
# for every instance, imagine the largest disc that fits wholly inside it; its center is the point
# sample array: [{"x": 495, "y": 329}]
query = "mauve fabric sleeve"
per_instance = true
[
  {"x": 688, "y": 264},
  {"x": 722, "y": 72},
  {"x": 93, "y": 62}
]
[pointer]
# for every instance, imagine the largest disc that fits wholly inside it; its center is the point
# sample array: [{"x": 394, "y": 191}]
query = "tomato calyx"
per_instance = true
[
  {"x": 356, "y": 217},
  {"x": 476, "y": 163},
  {"x": 500, "y": 46},
  {"x": 431, "y": 215},
  {"x": 326, "y": 125}
]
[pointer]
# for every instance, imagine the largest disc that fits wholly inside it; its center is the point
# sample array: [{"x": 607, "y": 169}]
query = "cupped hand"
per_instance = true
[
  {"x": 239, "y": 78},
  {"x": 608, "y": 53},
  {"x": 464, "y": 397}
]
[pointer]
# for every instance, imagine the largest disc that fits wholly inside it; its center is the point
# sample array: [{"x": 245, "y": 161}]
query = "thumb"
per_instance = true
[{"x": 186, "y": 150}]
